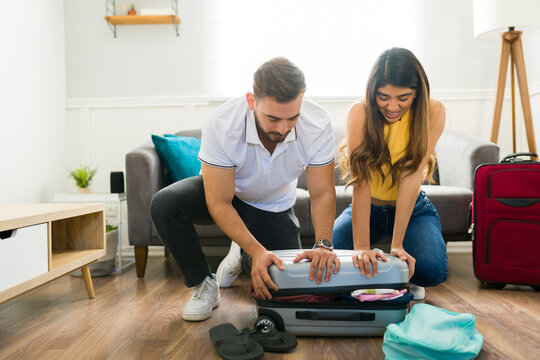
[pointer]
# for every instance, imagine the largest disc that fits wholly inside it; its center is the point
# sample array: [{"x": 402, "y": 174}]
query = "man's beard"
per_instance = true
[{"x": 271, "y": 136}]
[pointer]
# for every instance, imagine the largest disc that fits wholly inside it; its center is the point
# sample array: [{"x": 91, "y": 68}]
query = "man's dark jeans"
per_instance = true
[{"x": 177, "y": 207}]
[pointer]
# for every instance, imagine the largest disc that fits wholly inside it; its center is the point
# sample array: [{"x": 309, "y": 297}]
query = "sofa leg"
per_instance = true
[
  {"x": 141, "y": 255},
  {"x": 166, "y": 253}
]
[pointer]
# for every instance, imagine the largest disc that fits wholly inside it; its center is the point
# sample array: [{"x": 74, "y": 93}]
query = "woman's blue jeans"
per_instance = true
[{"x": 423, "y": 239}]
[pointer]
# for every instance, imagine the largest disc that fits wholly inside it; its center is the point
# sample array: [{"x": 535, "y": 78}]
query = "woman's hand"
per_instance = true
[
  {"x": 403, "y": 255},
  {"x": 362, "y": 259}
]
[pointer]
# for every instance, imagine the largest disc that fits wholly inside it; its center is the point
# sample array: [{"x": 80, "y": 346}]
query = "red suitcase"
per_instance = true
[{"x": 506, "y": 222}]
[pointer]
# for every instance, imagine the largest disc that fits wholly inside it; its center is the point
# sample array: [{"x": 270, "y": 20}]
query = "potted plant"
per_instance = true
[
  {"x": 83, "y": 177},
  {"x": 132, "y": 11}
]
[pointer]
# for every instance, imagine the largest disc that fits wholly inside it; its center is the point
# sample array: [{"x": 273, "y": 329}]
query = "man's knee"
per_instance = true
[
  {"x": 158, "y": 205},
  {"x": 181, "y": 202}
]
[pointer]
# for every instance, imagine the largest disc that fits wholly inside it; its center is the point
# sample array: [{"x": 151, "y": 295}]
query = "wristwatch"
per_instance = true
[{"x": 324, "y": 243}]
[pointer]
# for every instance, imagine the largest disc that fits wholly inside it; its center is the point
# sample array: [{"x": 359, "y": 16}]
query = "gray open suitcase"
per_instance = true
[{"x": 333, "y": 318}]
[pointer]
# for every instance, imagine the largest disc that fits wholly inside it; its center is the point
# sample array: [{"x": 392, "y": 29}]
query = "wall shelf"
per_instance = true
[
  {"x": 142, "y": 19},
  {"x": 113, "y": 20}
]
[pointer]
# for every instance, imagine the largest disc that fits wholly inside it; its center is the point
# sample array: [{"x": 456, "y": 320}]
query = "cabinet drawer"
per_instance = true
[{"x": 23, "y": 254}]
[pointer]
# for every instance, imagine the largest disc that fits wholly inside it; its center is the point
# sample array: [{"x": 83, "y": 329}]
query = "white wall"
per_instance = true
[
  {"x": 150, "y": 60},
  {"x": 148, "y": 80},
  {"x": 32, "y": 100},
  {"x": 143, "y": 60}
]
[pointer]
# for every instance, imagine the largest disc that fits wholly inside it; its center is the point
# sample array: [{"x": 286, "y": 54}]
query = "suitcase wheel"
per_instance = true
[
  {"x": 266, "y": 321},
  {"x": 497, "y": 285},
  {"x": 268, "y": 317}
]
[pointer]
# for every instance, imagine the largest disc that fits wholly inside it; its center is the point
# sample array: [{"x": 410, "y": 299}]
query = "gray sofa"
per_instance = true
[{"x": 458, "y": 156}]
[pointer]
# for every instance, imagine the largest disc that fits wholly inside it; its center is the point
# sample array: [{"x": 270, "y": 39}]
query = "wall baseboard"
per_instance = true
[
  {"x": 459, "y": 247},
  {"x": 157, "y": 251}
]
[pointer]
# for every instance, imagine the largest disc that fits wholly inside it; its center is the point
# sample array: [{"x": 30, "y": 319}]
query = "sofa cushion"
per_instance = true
[
  {"x": 179, "y": 154},
  {"x": 452, "y": 204}
]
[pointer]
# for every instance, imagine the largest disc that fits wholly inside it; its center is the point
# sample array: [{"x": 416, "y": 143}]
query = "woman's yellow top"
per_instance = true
[{"x": 397, "y": 139}]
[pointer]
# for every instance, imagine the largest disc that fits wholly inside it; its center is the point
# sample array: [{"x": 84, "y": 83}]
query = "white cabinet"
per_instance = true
[
  {"x": 23, "y": 254},
  {"x": 40, "y": 242}
]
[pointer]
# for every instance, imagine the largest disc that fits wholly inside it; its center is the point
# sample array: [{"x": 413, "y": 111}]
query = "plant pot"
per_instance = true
[
  {"x": 83, "y": 190},
  {"x": 106, "y": 264}
]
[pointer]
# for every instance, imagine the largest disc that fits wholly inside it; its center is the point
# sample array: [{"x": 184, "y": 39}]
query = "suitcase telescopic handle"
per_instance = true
[
  {"x": 335, "y": 316},
  {"x": 512, "y": 157}
]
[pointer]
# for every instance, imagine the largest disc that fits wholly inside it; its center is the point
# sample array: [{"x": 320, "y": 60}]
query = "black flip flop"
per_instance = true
[
  {"x": 271, "y": 339},
  {"x": 234, "y": 345}
]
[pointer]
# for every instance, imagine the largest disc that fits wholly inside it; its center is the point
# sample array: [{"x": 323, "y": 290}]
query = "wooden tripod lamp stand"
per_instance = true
[{"x": 491, "y": 18}]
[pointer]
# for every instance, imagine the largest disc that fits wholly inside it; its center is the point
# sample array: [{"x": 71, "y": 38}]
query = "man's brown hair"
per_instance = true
[{"x": 280, "y": 79}]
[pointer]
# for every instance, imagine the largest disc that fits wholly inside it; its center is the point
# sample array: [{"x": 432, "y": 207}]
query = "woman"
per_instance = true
[{"x": 391, "y": 137}]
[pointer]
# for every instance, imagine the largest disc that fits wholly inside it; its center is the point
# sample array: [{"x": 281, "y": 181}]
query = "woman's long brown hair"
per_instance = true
[{"x": 398, "y": 67}]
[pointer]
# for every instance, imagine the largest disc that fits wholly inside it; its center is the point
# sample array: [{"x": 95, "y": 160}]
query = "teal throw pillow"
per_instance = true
[{"x": 179, "y": 154}]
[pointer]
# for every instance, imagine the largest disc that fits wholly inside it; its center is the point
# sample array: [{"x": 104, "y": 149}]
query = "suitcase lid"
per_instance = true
[{"x": 294, "y": 280}]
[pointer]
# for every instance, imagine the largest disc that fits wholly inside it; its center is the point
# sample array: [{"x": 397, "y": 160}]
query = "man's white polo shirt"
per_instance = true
[{"x": 263, "y": 180}]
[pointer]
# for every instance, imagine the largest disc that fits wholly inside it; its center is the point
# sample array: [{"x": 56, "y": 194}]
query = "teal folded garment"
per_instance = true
[{"x": 429, "y": 332}]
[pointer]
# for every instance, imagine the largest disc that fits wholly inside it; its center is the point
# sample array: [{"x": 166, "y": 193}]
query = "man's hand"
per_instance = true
[
  {"x": 403, "y": 255},
  {"x": 363, "y": 259},
  {"x": 320, "y": 259},
  {"x": 260, "y": 278}
]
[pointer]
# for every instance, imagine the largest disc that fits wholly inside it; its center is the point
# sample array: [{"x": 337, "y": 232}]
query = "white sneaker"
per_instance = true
[
  {"x": 230, "y": 267},
  {"x": 418, "y": 291},
  {"x": 204, "y": 298}
]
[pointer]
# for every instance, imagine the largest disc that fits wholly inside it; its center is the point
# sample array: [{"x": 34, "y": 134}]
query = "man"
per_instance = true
[{"x": 253, "y": 149}]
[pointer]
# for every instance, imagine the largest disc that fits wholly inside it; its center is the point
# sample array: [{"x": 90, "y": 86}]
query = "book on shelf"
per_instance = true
[{"x": 154, "y": 11}]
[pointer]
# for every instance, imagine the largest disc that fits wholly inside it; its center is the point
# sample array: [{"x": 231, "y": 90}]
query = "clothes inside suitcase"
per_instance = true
[{"x": 335, "y": 317}]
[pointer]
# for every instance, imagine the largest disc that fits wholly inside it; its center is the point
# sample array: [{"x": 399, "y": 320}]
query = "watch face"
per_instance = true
[{"x": 326, "y": 243}]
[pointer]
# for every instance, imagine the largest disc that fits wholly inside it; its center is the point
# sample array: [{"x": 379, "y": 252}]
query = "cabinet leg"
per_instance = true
[
  {"x": 141, "y": 255},
  {"x": 88, "y": 281}
]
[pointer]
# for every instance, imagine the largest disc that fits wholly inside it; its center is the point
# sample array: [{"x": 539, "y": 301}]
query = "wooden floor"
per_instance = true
[{"x": 142, "y": 319}]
